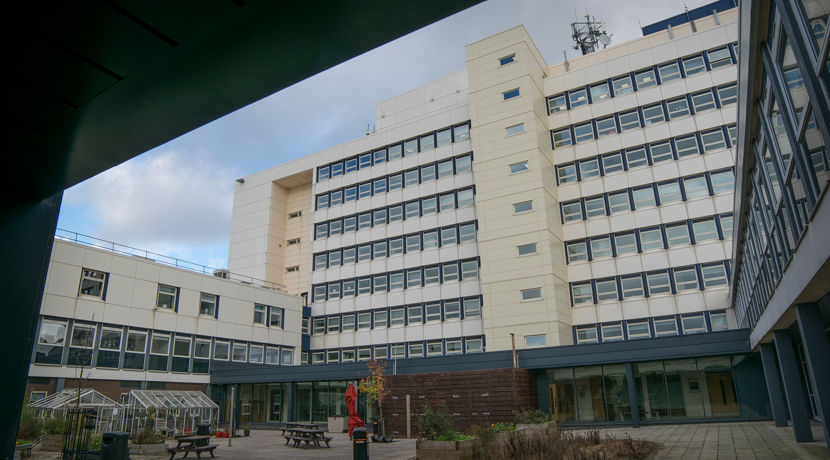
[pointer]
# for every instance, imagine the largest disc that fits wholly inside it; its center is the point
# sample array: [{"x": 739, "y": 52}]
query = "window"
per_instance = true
[
  {"x": 469, "y": 269},
  {"x": 685, "y": 278},
  {"x": 349, "y": 224},
  {"x": 612, "y": 163},
  {"x": 413, "y": 277},
  {"x": 606, "y": 290},
  {"x": 336, "y": 198},
  {"x": 651, "y": 239},
  {"x": 379, "y": 186},
  {"x": 703, "y": 101},
  {"x": 449, "y": 272},
  {"x": 286, "y": 356},
  {"x": 693, "y": 324},
  {"x": 524, "y": 206},
  {"x": 275, "y": 315},
  {"x": 719, "y": 57},
  {"x": 380, "y": 318},
  {"x": 722, "y": 181},
  {"x": 589, "y": 168},
  {"x": 292, "y": 268},
  {"x": 636, "y": 157},
  {"x": 453, "y": 347},
  {"x": 513, "y": 93},
  {"x": 733, "y": 134},
  {"x": 606, "y": 126},
  {"x": 366, "y": 159},
  {"x": 347, "y": 323},
  {"x": 612, "y": 332},
  {"x": 465, "y": 197},
  {"x": 713, "y": 140},
  {"x": 638, "y": 330},
  {"x": 531, "y": 294},
  {"x": 351, "y": 165},
  {"x": 632, "y": 286},
  {"x": 255, "y": 355},
  {"x": 586, "y": 334},
  {"x": 433, "y": 312},
  {"x": 430, "y": 240},
  {"x": 432, "y": 275},
  {"x": 364, "y": 320},
  {"x": 334, "y": 258},
  {"x": 594, "y": 207},
  {"x": 686, "y": 146},
  {"x": 379, "y": 283},
  {"x": 463, "y": 164},
  {"x": 562, "y": 138},
  {"x": 557, "y": 104},
  {"x": 428, "y": 140},
  {"x": 643, "y": 197},
  {"x": 626, "y": 243},
  {"x": 379, "y": 249},
  {"x": 726, "y": 225},
  {"x": 660, "y": 152},
  {"x": 323, "y": 201},
  {"x": 600, "y": 92},
  {"x": 445, "y": 168},
  {"x": 443, "y": 137},
  {"x": 582, "y": 293},
  {"x": 92, "y": 283},
  {"x": 601, "y": 247},
  {"x": 578, "y": 97},
  {"x": 429, "y": 205},
  {"x": 416, "y": 350},
  {"x": 653, "y": 114},
  {"x": 221, "y": 350},
  {"x": 427, "y": 173},
  {"x": 364, "y": 285},
  {"x": 318, "y": 357},
  {"x": 467, "y": 232},
  {"x": 694, "y": 64},
  {"x": 678, "y": 107},
  {"x": 446, "y": 201},
  {"x": 461, "y": 132},
  {"x": 336, "y": 169},
  {"x": 623, "y": 85},
  {"x": 364, "y": 252},
  {"x": 398, "y": 351},
  {"x": 526, "y": 249},
  {"x": 663, "y": 327},
  {"x": 414, "y": 314},
  {"x": 321, "y": 231},
  {"x": 535, "y": 340},
  {"x": 318, "y": 326},
  {"x": 293, "y": 241},
  {"x": 322, "y": 173},
  {"x": 448, "y": 236},
  {"x": 566, "y": 173},
  {"x": 515, "y": 129},
  {"x": 669, "y": 72},
  {"x": 629, "y": 120},
  {"x": 109, "y": 346},
  {"x": 728, "y": 94},
  {"x": 207, "y": 305},
  {"x": 577, "y": 251},
  {"x": 705, "y": 230},
  {"x": 618, "y": 202},
  {"x": 411, "y": 177},
  {"x": 718, "y": 321},
  {"x": 452, "y": 309},
  {"x": 166, "y": 297},
  {"x": 714, "y": 275},
  {"x": 160, "y": 349},
  {"x": 259, "y": 314},
  {"x": 472, "y": 307},
  {"x": 584, "y": 132},
  {"x": 413, "y": 209},
  {"x": 658, "y": 283},
  {"x": 645, "y": 79},
  {"x": 669, "y": 192},
  {"x": 571, "y": 211},
  {"x": 695, "y": 187}
]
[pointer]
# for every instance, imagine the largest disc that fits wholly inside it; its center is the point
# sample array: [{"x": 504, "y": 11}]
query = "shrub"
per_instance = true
[
  {"x": 576, "y": 446},
  {"x": 30, "y": 426},
  {"x": 56, "y": 425},
  {"x": 436, "y": 423},
  {"x": 531, "y": 416},
  {"x": 501, "y": 426},
  {"x": 146, "y": 435}
]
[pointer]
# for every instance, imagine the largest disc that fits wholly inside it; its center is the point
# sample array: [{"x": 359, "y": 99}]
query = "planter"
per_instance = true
[
  {"x": 537, "y": 427},
  {"x": 338, "y": 424},
  {"x": 451, "y": 450},
  {"x": 148, "y": 449}
]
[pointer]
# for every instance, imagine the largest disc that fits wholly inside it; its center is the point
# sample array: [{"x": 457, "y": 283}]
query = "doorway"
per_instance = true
[{"x": 722, "y": 394}]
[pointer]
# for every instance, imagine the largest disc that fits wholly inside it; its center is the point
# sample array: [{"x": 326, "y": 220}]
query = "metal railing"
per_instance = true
[{"x": 86, "y": 240}]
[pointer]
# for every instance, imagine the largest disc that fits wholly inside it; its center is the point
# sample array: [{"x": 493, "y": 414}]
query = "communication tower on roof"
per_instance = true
[{"x": 589, "y": 35}]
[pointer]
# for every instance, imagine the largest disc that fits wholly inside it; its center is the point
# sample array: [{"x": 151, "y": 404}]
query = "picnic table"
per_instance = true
[
  {"x": 188, "y": 444},
  {"x": 310, "y": 426},
  {"x": 305, "y": 435}
]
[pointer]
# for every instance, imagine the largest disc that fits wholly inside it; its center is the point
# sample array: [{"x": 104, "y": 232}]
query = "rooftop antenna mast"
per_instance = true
[{"x": 589, "y": 35}]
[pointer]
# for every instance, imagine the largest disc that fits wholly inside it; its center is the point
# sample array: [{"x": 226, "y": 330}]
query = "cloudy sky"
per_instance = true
[{"x": 176, "y": 199}]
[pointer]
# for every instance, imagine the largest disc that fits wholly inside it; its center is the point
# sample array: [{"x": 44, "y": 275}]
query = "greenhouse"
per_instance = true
[
  {"x": 108, "y": 413},
  {"x": 169, "y": 412}
]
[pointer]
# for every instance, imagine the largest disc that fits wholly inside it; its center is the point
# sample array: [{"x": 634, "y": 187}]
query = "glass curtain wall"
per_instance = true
[
  {"x": 594, "y": 394},
  {"x": 316, "y": 401}
]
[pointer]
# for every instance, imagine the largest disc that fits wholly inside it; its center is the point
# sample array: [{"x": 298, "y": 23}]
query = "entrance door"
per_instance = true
[
  {"x": 722, "y": 394},
  {"x": 561, "y": 402},
  {"x": 275, "y": 406}
]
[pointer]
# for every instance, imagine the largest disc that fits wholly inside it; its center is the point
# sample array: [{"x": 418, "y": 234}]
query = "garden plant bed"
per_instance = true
[{"x": 565, "y": 444}]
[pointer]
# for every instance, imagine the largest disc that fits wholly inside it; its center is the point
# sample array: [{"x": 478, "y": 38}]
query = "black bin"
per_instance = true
[
  {"x": 375, "y": 427},
  {"x": 203, "y": 429},
  {"x": 114, "y": 446},
  {"x": 360, "y": 445}
]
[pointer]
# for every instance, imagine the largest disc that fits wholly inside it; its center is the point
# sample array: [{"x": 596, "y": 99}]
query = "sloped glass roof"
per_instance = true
[
  {"x": 170, "y": 399},
  {"x": 66, "y": 399}
]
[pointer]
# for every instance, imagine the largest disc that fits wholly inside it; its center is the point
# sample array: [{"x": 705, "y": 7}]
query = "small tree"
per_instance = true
[{"x": 373, "y": 386}]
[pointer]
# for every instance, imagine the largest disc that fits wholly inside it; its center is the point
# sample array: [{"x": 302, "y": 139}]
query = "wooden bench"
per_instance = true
[
  {"x": 188, "y": 449},
  {"x": 25, "y": 449}
]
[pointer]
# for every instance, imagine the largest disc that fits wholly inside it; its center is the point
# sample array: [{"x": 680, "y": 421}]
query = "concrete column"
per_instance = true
[
  {"x": 632, "y": 395},
  {"x": 817, "y": 353},
  {"x": 796, "y": 399},
  {"x": 776, "y": 392}
]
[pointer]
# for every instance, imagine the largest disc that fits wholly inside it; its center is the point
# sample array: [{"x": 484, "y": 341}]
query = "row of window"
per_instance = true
[
  {"x": 440, "y": 347},
  {"x": 138, "y": 349},
  {"x": 697, "y": 143},
  {"x": 408, "y": 178},
  {"x": 646, "y": 284},
  {"x": 647, "y": 115},
  {"x": 394, "y": 151},
  {"x": 647, "y": 328},
  {"x": 641, "y": 79},
  {"x": 655, "y": 194},
  {"x": 406, "y": 244},
  {"x": 401, "y": 279},
  {"x": 639, "y": 240},
  {"x": 397, "y": 212},
  {"x": 408, "y": 315}
]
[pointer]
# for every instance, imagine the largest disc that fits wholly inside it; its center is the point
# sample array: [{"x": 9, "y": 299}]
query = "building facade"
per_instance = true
[{"x": 781, "y": 250}]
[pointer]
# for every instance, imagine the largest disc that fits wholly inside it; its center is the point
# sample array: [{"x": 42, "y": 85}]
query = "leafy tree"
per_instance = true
[{"x": 373, "y": 386}]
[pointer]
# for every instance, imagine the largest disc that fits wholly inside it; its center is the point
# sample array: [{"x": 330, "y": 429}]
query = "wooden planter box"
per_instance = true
[{"x": 450, "y": 450}]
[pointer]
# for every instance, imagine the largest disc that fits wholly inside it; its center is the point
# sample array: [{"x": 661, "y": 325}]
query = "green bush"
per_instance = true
[
  {"x": 501, "y": 426},
  {"x": 435, "y": 424},
  {"x": 30, "y": 426},
  {"x": 146, "y": 435},
  {"x": 56, "y": 425},
  {"x": 531, "y": 416}
]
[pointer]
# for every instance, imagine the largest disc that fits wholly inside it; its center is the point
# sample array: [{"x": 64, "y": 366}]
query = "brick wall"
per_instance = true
[{"x": 473, "y": 397}]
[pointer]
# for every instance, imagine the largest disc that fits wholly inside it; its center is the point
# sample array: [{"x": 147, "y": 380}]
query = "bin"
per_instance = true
[
  {"x": 114, "y": 446},
  {"x": 203, "y": 429},
  {"x": 360, "y": 445}
]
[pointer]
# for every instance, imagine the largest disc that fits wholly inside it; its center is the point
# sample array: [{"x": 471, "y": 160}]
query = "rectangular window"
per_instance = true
[
  {"x": 255, "y": 355},
  {"x": 669, "y": 192},
  {"x": 571, "y": 211},
  {"x": 658, "y": 283},
  {"x": 629, "y": 120},
  {"x": 379, "y": 186},
  {"x": 663, "y": 327},
  {"x": 453, "y": 347},
  {"x": 612, "y": 163},
  {"x": 452, "y": 309},
  {"x": 380, "y": 319},
  {"x": 586, "y": 334},
  {"x": 413, "y": 277},
  {"x": 469, "y": 269},
  {"x": 379, "y": 283},
  {"x": 292, "y": 241},
  {"x": 685, "y": 278},
  {"x": 612, "y": 332},
  {"x": 535, "y": 341},
  {"x": 705, "y": 230},
  {"x": 348, "y": 322},
  {"x": 364, "y": 320},
  {"x": 259, "y": 314},
  {"x": 526, "y": 249},
  {"x": 432, "y": 275},
  {"x": 465, "y": 197},
  {"x": 713, "y": 140},
  {"x": 396, "y": 317},
  {"x": 449, "y": 272},
  {"x": 443, "y": 137},
  {"x": 636, "y": 157},
  {"x": 714, "y": 275},
  {"x": 427, "y": 141},
  {"x": 433, "y": 312},
  {"x": 669, "y": 72},
  {"x": 396, "y": 280},
  {"x": 618, "y": 202},
  {"x": 349, "y": 224},
  {"x": 566, "y": 173},
  {"x": 364, "y": 285},
  {"x": 318, "y": 326},
  {"x": 623, "y": 85},
  {"x": 461, "y": 132},
  {"x": 515, "y": 129},
  {"x": 334, "y": 258},
  {"x": 398, "y": 351},
  {"x": 365, "y": 189},
  {"x": 519, "y": 167},
  {"x": 722, "y": 181},
  {"x": 695, "y": 187},
  {"x": 718, "y": 321},
  {"x": 467, "y": 232},
  {"x": 416, "y": 350},
  {"x": 286, "y": 356},
  {"x": 601, "y": 247},
  {"x": 578, "y": 97},
  {"x": 638, "y": 330},
  {"x": 678, "y": 107},
  {"x": 430, "y": 240},
  {"x": 589, "y": 168},
  {"x": 733, "y": 137},
  {"x": 513, "y": 93},
  {"x": 351, "y": 165},
  {"x": 322, "y": 173},
  {"x": 448, "y": 236},
  {"x": 577, "y": 251},
  {"x": 221, "y": 350},
  {"x": 582, "y": 293},
  {"x": 321, "y": 231},
  {"x": 334, "y": 290},
  {"x": 524, "y": 206},
  {"x": 463, "y": 164},
  {"x": 531, "y": 294},
  {"x": 726, "y": 225},
  {"x": 427, "y": 173},
  {"x": 445, "y": 168},
  {"x": 728, "y": 94},
  {"x": 166, "y": 296},
  {"x": 365, "y": 160},
  {"x": 323, "y": 201},
  {"x": 364, "y": 220},
  {"x": 379, "y": 249},
  {"x": 660, "y": 152},
  {"x": 643, "y": 197},
  {"x": 600, "y": 92},
  {"x": 415, "y": 314},
  {"x": 336, "y": 198},
  {"x": 719, "y": 57},
  {"x": 606, "y": 290},
  {"x": 336, "y": 169},
  {"x": 626, "y": 243},
  {"x": 686, "y": 146},
  {"x": 651, "y": 239},
  {"x": 92, "y": 283},
  {"x": 703, "y": 101},
  {"x": 693, "y": 324},
  {"x": 429, "y": 205},
  {"x": 694, "y": 64},
  {"x": 645, "y": 79},
  {"x": 446, "y": 202},
  {"x": 632, "y": 286},
  {"x": 653, "y": 114},
  {"x": 319, "y": 293},
  {"x": 472, "y": 307},
  {"x": 350, "y": 194},
  {"x": 207, "y": 304},
  {"x": 562, "y": 138},
  {"x": 677, "y": 235},
  {"x": 557, "y": 104},
  {"x": 584, "y": 132},
  {"x": 594, "y": 207}
]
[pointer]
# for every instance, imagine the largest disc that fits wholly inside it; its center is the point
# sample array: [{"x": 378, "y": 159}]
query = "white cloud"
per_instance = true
[{"x": 168, "y": 201}]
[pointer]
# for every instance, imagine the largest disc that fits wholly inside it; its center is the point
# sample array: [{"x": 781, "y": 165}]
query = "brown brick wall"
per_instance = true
[{"x": 473, "y": 397}]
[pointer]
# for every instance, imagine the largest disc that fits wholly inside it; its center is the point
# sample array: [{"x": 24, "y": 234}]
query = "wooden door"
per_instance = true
[{"x": 722, "y": 394}]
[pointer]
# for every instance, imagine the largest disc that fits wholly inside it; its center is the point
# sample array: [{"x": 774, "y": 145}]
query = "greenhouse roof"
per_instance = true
[
  {"x": 168, "y": 399},
  {"x": 67, "y": 398}
]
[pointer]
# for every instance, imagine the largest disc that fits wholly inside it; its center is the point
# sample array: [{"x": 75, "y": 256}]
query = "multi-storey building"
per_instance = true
[
  {"x": 581, "y": 211},
  {"x": 782, "y": 286}
]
